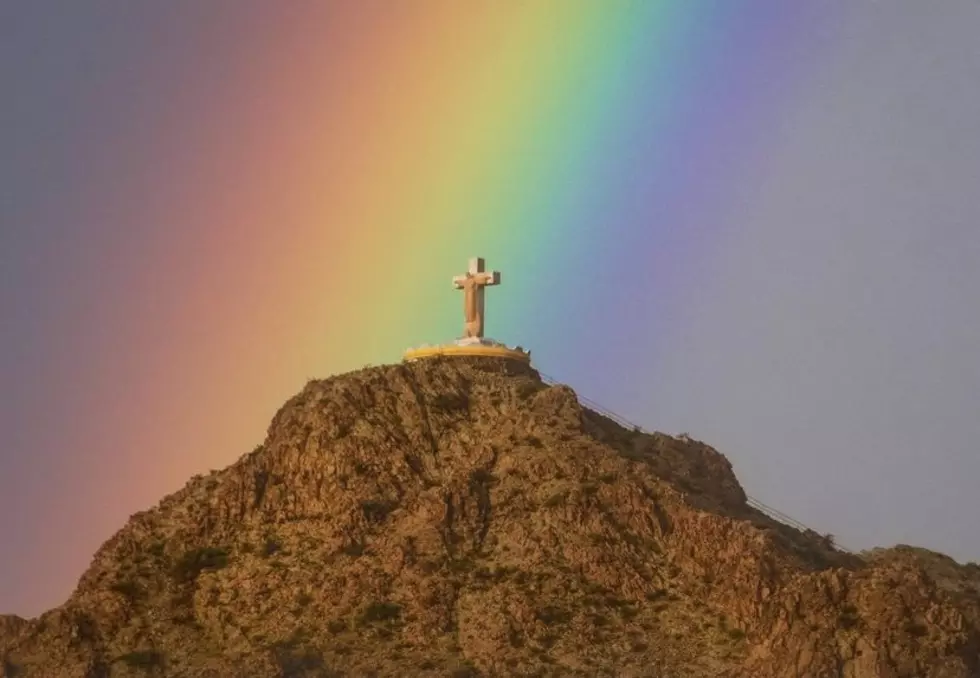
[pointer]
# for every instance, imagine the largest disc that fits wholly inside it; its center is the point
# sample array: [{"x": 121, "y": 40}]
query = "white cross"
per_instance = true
[{"x": 473, "y": 283}]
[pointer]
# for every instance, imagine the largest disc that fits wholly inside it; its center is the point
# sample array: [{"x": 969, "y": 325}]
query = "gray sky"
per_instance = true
[{"x": 834, "y": 351}]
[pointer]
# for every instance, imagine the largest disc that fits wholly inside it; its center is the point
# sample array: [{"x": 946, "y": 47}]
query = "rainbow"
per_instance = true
[{"x": 296, "y": 184}]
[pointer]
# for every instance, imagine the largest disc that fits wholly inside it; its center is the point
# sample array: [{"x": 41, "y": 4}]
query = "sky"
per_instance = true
[{"x": 757, "y": 223}]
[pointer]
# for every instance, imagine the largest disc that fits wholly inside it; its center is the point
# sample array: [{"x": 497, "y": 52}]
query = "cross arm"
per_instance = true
[{"x": 488, "y": 278}]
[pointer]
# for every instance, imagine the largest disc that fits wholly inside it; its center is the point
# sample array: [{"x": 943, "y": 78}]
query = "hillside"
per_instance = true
[{"x": 462, "y": 518}]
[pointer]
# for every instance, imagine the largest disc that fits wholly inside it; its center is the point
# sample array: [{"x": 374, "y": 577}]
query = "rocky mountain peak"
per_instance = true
[{"x": 460, "y": 517}]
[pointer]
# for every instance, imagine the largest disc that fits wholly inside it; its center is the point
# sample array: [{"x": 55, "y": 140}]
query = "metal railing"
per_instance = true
[{"x": 775, "y": 514}]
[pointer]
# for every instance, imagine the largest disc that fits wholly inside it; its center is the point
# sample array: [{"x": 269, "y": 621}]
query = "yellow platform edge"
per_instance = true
[{"x": 468, "y": 351}]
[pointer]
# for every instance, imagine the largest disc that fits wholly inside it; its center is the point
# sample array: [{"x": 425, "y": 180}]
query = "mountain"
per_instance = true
[{"x": 460, "y": 517}]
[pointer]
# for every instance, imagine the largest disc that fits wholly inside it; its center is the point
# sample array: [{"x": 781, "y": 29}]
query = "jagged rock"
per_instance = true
[{"x": 460, "y": 518}]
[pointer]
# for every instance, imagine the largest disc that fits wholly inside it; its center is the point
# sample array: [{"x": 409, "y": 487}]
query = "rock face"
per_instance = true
[{"x": 462, "y": 518}]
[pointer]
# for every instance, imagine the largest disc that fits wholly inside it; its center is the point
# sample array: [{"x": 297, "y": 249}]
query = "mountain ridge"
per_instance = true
[{"x": 462, "y": 517}]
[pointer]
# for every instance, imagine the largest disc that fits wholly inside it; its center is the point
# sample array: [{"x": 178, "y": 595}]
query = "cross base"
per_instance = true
[
  {"x": 472, "y": 347},
  {"x": 477, "y": 341}
]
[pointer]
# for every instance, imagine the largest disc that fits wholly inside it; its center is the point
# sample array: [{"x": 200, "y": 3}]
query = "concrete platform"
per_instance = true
[{"x": 471, "y": 348}]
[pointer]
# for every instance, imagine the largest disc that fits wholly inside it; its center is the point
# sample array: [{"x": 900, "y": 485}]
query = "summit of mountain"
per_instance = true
[{"x": 461, "y": 517}]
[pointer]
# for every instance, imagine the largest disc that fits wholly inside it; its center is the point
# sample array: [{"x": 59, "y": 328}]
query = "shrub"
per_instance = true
[
  {"x": 465, "y": 670},
  {"x": 448, "y": 402},
  {"x": 548, "y": 640},
  {"x": 515, "y": 638},
  {"x": 295, "y": 661},
  {"x": 354, "y": 549},
  {"x": 376, "y": 511},
  {"x": 916, "y": 630},
  {"x": 849, "y": 617},
  {"x": 736, "y": 634},
  {"x": 598, "y": 619},
  {"x": 462, "y": 565},
  {"x": 628, "y": 612},
  {"x": 271, "y": 547},
  {"x": 196, "y": 561},
  {"x": 480, "y": 476},
  {"x": 656, "y": 595},
  {"x": 556, "y": 499},
  {"x": 85, "y": 627},
  {"x": 144, "y": 659},
  {"x": 381, "y": 612},
  {"x": 128, "y": 589},
  {"x": 550, "y": 615}
]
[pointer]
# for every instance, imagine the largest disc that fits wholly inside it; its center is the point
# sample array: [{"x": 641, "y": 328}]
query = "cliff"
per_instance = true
[{"x": 462, "y": 518}]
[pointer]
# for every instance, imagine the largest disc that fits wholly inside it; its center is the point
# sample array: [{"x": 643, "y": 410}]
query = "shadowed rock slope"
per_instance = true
[{"x": 462, "y": 518}]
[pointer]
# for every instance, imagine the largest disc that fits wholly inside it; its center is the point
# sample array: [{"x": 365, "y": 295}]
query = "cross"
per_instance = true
[{"x": 473, "y": 284}]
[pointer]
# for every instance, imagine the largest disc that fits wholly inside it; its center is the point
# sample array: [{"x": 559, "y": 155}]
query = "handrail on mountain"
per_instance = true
[{"x": 751, "y": 501}]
